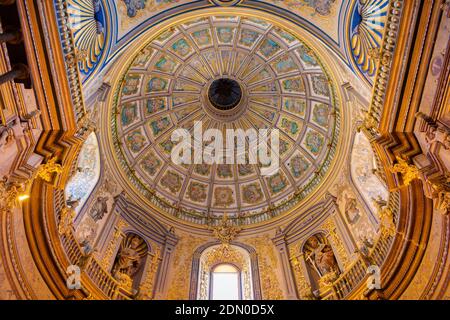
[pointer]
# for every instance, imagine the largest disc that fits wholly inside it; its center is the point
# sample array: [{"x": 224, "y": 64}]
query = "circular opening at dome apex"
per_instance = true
[{"x": 224, "y": 93}]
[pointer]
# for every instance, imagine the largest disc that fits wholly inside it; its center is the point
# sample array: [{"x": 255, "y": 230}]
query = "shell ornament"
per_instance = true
[
  {"x": 87, "y": 22},
  {"x": 368, "y": 23}
]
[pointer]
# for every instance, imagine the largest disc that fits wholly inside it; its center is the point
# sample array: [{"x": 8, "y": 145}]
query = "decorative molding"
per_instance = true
[
  {"x": 65, "y": 224},
  {"x": 147, "y": 285},
  {"x": 182, "y": 262},
  {"x": 303, "y": 287},
  {"x": 225, "y": 3},
  {"x": 387, "y": 50},
  {"x": 10, "y": 192},
  {"x": 336, "y": 241},
  {"x": 267, "y": 264},
  {"x": 70, "y": 59},
  {"x": 196, "y": 267},
  {"x": 113, "y": 244},
  {"x": 225, "y": 253},
  {"x": 225, "y": 232}
]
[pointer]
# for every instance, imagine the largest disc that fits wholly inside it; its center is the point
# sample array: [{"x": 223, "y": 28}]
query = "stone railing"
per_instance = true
[
  {"x": 88, "y": 264},
  {"x": 357, "y": 272}
]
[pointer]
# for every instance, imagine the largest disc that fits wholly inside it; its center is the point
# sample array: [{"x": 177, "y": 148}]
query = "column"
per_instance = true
[
  {"x": 161, "y": 279},
  {"x": 281, "y": 245}
]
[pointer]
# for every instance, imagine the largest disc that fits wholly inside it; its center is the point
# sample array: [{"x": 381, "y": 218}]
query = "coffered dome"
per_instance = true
[{"x": 229, "y": 72}]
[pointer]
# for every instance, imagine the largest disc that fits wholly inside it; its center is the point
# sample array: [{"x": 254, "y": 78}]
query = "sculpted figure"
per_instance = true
[
  {"x": 322, "y": 256},
  {"x": 99, "y": 209},
  {"x": 351, "y": 210},
  {"x": 129, "y": 258}
]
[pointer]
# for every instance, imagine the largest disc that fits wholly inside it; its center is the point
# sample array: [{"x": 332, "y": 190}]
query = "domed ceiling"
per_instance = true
[{"x": 274, "y": 80}]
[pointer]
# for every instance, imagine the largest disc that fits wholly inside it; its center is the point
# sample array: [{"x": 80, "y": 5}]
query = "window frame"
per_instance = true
[{"x": 211, "y": 279}]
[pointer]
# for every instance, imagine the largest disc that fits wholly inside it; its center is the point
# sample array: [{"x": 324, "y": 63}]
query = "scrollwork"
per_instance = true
[
  {"x": 225, "y": 232},
  {"x": 146, "y": 288},
  {"x": 267, "y": 264},
  {"x": 337, "y": 241},
  {"x": 106, "y": 260}
]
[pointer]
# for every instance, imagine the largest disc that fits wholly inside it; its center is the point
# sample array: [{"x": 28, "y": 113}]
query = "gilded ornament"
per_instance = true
[
  {"x": 225, "y": 254},
  {"x": 267, "y": 262},
  {"x": 387, "y": 223},
  {"x": 10, "y": 192},
  {"x": 125, "y": 282},
  {"x": 441, "y": 196},
  {"x": 303, "y": 287},
  {"x": 327, "y": 280},
  {"x": 225, "y": 232},
  {"x": 337, "y": 241},
  {"x": 66, "y": 220},
  {"x": 408, "y": 172},
  {"x": 369, "y": 122},
  {"x": 89, "y": 297},
  {"x": 112, "y": 244},
  {"x": 183, "y": 262},
  {"x": 85, "y": 123},
  {"x": 45, "y": 171},
  {"x": 146, "y": 288}
]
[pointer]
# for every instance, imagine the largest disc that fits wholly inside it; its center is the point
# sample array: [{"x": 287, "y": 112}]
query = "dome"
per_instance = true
[
  {"x": 224, "y": 149},
  {"x": 226, "y": 72}
]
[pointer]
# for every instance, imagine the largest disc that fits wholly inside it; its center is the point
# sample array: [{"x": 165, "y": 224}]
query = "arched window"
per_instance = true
[
  {"x": 226, "y": 282},
  {"x": 84, "y": 180},
  {"x": 225, "y": 273}
]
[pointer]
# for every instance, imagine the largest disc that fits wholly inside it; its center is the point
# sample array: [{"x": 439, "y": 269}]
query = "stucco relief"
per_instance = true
[
  {"x": 362, "y": 171},
  {"x": 182, "y": 263},
  {"x": 268, "y": 264},
  {"x": 83, "y": 182},
  {"x": 133, "y": 12},
  {"x": 364, "y": 232},
  {"x": 323, "y": 13}
]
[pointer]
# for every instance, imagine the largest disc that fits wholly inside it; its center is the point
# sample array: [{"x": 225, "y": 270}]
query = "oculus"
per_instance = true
[{"x": 224, "y": 93}]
